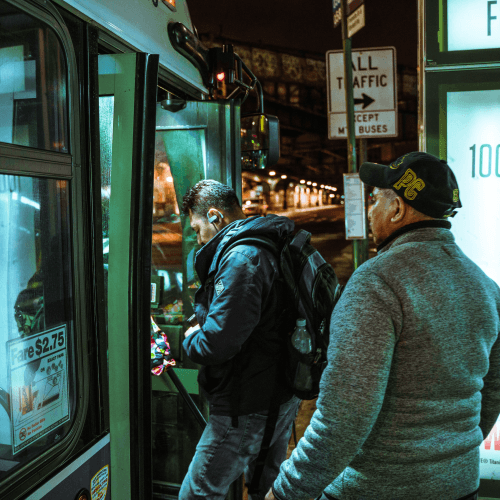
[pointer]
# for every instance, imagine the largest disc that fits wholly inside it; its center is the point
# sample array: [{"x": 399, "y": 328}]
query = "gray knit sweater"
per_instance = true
[{"x": 413, "y": 379}]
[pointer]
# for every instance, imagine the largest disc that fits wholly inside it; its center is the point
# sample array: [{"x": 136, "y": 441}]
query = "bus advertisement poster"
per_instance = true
[{"x": 38, "y": 367}]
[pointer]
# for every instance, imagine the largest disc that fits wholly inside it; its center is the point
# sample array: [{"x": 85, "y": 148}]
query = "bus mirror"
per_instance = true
[{"x": 260, "y": 141}]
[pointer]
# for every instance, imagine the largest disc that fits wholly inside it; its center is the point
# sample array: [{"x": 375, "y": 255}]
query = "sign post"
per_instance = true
[
  {"x": 375, "y": 93},
  {"x": 351, "y": 134}
]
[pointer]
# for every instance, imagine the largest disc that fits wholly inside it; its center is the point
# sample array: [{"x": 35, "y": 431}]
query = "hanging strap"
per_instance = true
[{"x": 271, "y": 421}]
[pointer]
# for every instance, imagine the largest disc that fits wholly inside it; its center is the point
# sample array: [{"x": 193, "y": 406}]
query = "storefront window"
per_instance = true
[
  {"x": 33, "y": 94},
  {"x": 36, "y": 329}
]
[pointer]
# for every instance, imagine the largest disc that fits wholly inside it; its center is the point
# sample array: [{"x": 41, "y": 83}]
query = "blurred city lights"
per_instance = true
[
  {"x": 272, "y": 172},
  {"x": 308, "y": 183},
  {"x": 302, "y": 181},
  {"x": 283, "y": 176}
]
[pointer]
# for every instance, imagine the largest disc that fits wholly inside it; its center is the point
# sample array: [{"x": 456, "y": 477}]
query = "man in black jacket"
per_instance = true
[{"x": 239, "y": 342}]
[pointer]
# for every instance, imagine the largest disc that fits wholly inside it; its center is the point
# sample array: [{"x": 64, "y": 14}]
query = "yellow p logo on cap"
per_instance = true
[{"x": 412, "y": 184}]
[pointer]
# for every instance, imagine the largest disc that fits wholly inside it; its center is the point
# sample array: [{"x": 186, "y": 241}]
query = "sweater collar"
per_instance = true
[{"x": 411, "y": 227}]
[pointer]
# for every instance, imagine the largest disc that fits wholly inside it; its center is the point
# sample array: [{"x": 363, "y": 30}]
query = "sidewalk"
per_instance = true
[{"x": 294, "y": 210}]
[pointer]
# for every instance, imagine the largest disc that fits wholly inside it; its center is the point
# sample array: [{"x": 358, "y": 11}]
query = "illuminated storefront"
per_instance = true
[{"x": 460, "y": 121}]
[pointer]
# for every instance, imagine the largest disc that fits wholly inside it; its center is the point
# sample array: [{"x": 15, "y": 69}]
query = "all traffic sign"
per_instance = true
[{"x": 375, "y": 93}]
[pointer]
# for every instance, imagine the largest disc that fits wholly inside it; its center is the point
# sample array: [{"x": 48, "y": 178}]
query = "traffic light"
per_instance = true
[{"x": 221, "y": 64}]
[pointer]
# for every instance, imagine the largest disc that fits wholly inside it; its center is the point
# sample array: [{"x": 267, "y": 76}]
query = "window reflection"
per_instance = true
[
  {"x": 167, "y": 244},
  {"x": 36, "y": 326},
  {"x": 33, "y": 104},
  {"x": 178, "y": 166}
]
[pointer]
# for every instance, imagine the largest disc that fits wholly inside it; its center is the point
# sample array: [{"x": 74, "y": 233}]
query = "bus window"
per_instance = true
[
  {"x": 106, "y": 112},
  {"x": 33, "y": 97},
  {"x": 36, "y": 332},
  {"x": 179, "y": 164}
]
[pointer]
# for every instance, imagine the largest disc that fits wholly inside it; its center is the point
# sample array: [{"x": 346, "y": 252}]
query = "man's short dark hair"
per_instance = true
[{"x": 209, "y": 193}]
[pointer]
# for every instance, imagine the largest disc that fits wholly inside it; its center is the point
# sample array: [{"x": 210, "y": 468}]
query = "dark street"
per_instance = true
[{"x": 326, "y": 224}]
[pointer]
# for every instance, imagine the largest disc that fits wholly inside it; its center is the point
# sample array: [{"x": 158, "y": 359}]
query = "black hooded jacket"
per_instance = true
[{"x": 240, "y": 308}]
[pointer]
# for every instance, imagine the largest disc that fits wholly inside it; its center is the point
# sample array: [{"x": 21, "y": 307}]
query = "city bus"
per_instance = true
[{"x": 109, "y": 112}]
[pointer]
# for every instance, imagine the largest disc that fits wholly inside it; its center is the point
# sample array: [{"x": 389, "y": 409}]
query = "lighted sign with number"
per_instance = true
[
  {"x": 473, "y": 24},
  {"x": 473, "y": 150},
  {"x": 473, "y": 153}
]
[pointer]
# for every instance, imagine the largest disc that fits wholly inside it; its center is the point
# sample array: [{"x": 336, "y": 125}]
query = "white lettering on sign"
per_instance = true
[
  {"x": 356, "y": 21},
  {"x": 473, "y": 24},
  {"x": 374, "y": 86}
]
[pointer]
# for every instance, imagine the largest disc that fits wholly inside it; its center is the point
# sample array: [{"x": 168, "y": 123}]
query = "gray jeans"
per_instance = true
[{"x": 225, "y": 452}]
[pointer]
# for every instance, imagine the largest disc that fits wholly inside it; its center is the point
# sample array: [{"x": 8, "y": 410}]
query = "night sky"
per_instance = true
[{"x": 307, "y": 25}]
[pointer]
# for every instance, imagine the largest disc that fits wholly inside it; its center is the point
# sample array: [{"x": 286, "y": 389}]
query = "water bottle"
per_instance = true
[{"x": 301, "y": 339}]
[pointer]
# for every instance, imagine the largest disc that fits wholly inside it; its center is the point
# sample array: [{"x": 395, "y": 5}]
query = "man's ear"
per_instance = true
[{"x": 399, "y": 210}]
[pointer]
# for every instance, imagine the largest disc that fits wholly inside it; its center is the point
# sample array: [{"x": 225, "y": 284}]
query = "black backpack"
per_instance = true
[{"x": 313, "y": 290}]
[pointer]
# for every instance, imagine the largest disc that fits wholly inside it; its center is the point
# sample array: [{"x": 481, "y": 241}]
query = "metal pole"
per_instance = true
[
  {"x": 363, "y": 244},
  {"x": 187, "y": 398},
  {"x": 349, "y": 101}
]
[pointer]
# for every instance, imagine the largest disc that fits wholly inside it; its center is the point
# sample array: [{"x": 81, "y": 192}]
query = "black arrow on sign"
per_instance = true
[{"x": 366, "y": 101}]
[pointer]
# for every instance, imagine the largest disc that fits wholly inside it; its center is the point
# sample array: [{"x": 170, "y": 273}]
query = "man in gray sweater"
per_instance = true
[{"x": 412, "y": 385}]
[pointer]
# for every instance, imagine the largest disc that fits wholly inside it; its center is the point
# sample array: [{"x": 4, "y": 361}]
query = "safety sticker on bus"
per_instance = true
[
  {"x": 99, "y": 484},
  {"x": 38, "y": 367}
]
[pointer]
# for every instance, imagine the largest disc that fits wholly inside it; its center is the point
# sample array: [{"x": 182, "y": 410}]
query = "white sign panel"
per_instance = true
[
  {"x": 356, "y": 21},
  {"x": 375, "y": 93},
  {"x": 38, "y": 385},
  {"x": 473, "y": 24},
  {"x": 354, "y": 204},
  {"x": 473, "y": 153}
]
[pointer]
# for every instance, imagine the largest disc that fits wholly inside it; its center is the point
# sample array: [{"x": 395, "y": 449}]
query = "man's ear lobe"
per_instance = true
[{"x": 400, "y": 210}]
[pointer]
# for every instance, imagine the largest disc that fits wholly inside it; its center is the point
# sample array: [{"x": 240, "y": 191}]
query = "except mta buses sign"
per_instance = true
[
  {"x": 473, "y": 24},
  {"x": 375, "y": 93}
]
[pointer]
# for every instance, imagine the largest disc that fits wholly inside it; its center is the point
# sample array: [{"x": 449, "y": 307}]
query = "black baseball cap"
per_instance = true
[{"x": 424, "y": 181}]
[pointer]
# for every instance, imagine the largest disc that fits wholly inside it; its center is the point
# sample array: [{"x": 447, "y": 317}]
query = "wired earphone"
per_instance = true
[{"x": 214, "y": 219}]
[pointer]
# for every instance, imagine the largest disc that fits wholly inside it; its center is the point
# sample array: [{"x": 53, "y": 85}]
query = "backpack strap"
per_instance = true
[
  {"x": 261, "y": 241},
  {"x": 273, "y": 414}
]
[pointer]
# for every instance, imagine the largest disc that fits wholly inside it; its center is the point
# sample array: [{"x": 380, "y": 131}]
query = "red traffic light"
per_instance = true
[{"x": 221, "y": 76}]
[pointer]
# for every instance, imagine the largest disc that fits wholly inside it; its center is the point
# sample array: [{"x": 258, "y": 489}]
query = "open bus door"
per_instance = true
[
  {"x": 127, "y": 105},
  {"x": 149, "y": 253}
]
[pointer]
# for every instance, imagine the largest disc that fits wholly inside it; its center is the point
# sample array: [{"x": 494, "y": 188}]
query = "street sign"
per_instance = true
[
  {"x": 352, "y": 5},
  {"x": 356, "y": 21},
  {"x": 375, "y": 93},
  {"x": 355, "y": 218}
]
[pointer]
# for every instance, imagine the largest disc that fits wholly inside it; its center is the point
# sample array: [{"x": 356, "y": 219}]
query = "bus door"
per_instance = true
[
  {"x": 194, "y": 140},
  {"x": 149, "y": 251},
  {"x": 127, "y": 107}
]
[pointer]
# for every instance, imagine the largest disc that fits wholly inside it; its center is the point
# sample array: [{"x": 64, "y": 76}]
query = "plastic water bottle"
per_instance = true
[{"x": 301, "y": 339}]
